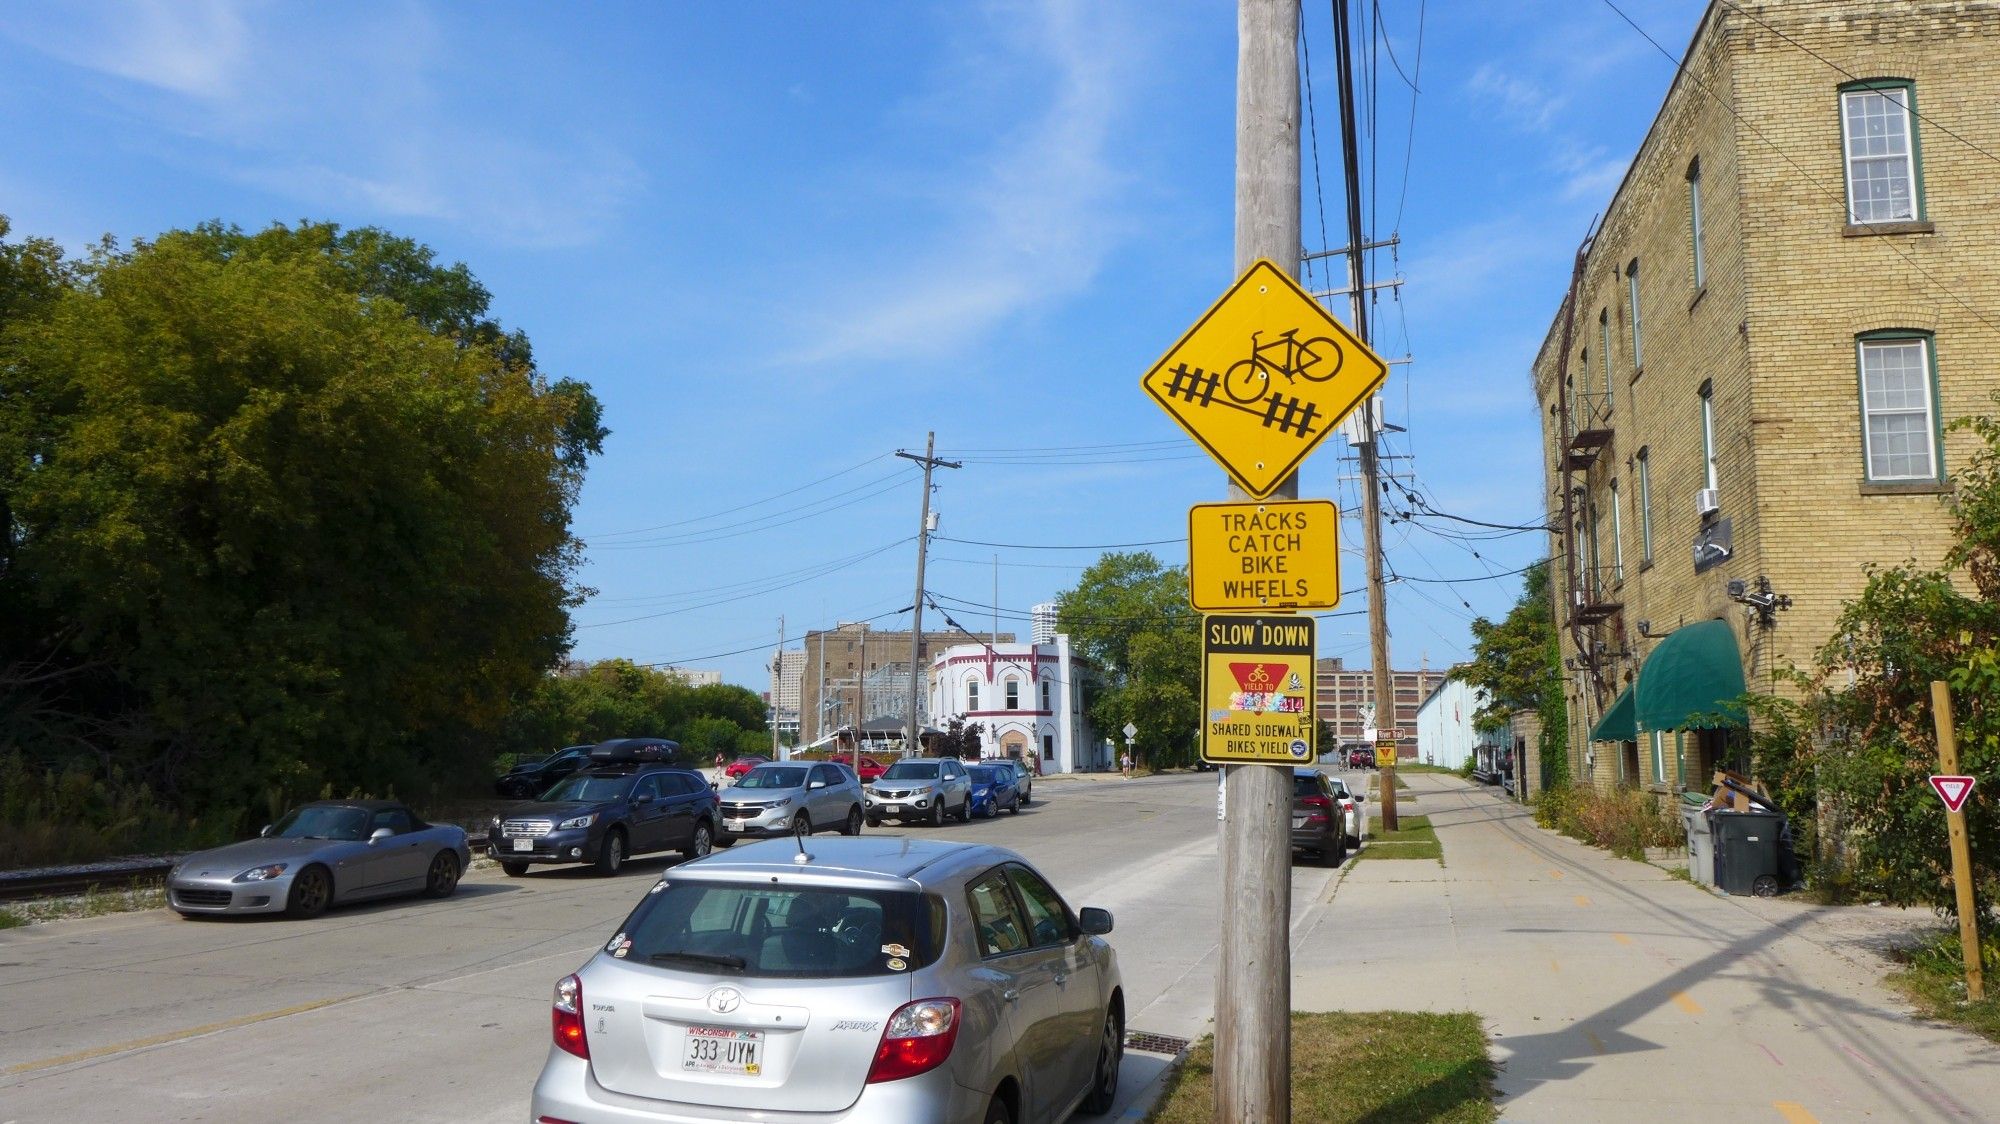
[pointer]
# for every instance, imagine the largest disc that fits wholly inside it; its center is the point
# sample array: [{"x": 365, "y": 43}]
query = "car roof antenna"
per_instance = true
[{"x": 801, "y": 858}]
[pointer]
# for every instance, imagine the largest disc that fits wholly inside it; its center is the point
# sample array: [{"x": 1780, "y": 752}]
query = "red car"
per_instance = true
[{"x": 745, "y": 763}]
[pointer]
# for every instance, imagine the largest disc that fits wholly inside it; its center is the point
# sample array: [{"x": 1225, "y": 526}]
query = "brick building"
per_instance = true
[
  {"x": 832, "y": 668},
  {"x": 1339, "y": 692},
  {"x": 1744, "y": 395}
]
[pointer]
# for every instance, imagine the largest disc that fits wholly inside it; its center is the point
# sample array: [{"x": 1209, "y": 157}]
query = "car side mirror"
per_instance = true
[
  {"x": 1359, "y": 798},
  {"x": 381, "y": 833},
  {"x": 817, "y": 784},
  {"x": 1094, "y": 921},
  {"x": 643, "y": 798},
  {"x": 266, "y": 830}
]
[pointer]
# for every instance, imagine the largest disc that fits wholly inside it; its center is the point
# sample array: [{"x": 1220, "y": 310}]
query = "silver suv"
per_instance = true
[
  {"x": 883, "y": 980},
  {"x": 924, "y": 789},
  {"x": 790, "y": 798}
]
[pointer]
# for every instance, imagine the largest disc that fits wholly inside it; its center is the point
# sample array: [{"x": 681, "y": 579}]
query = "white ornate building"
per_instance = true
[{"x": 1027, "y": 698}]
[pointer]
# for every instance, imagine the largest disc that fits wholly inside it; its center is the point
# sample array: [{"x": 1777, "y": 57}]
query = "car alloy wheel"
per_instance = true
[
  {"x": 874, "y": 821},
  {"x": 965, "y": 810},
  {"x": 612, "y": 855},
  {"x": 1104, "y": 1078},
  {"x": 443, "y": 876},
  {"x": 937, "y": 814},
  {"x": 1014, "y": 809},
  {"x": 802, "y": 824},
  {"x": 311, "y": 891},
  {"x": 702, "y": 843},
  {"x": 853, "y": 822}
]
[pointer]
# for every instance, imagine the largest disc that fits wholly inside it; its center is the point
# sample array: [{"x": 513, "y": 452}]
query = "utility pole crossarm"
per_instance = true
[{"x": 930, "y": 460}]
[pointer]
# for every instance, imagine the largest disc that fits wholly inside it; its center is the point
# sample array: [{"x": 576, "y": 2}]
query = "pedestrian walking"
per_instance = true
[{"x": 1125, "y": 763}]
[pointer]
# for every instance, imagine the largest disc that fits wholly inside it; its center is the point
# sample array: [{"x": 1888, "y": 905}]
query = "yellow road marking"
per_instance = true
[
  {"x": 177, "y": 1035},
  {"x": 1555, "y": 874},
  {"x": 1554, "y": 967},
  {"x": 1621, "y": 938},
  {"x": 1794, "y": 1113},
  {"x": 1682, "y": 1001},
  {"x": 1596, "y": 1044},
  {"x": 1582, "y": 901}
]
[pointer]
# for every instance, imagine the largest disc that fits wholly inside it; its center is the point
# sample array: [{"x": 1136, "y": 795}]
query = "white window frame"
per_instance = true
[
  {"x": 1013, "y": 695},
  {"x": 1709, "y": 475},
  {"x": 1694, "y": 224},
  {"x": 1902, "y": 95},
  {"x": 1659, "y": 757},
  {"x": 1632, "y": 294},
  {"x": 1617, "y": 536},
  {"x": 1645, "y": 471},
  {"x": 1925, "y": 358},
  {"x": 971, "y": 694},
  {"x": 1604, "y": 360}
]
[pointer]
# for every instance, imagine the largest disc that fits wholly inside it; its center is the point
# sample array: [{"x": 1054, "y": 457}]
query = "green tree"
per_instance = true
[
  {"x": 1129, "y": 616},
  {"x": 288, "y": 509},
  {"x": 1519, "y": 665}
]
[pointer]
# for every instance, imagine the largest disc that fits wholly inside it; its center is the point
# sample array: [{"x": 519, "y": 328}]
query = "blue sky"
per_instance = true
[{"x": 784, "y": 240}]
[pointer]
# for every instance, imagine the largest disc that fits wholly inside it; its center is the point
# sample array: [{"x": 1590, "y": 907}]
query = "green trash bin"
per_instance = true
[{"x": 1746, "y": 851}]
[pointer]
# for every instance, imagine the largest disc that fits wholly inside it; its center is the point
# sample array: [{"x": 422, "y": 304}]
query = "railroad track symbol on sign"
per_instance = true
[{"x": 1263, "y": 377}]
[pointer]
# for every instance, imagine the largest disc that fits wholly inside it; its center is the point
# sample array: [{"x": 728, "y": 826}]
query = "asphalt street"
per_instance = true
[{"x": 418, "y": 1009}]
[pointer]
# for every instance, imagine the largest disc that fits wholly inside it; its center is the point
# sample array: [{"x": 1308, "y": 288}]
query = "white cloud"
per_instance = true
[
  {"x": 1032, "y": 217},
  {"x": 332, "y": 109},
  {"x": 1518, "y": 99}
]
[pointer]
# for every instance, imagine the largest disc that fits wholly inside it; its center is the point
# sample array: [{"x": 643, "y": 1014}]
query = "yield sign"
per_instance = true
[
  {"x": 1263, "y": 377},
  {"x": 1953, "y": 791}
]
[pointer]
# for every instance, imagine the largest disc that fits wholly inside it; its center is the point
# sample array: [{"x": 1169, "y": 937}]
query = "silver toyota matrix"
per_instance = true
[{"x": 858, "y": 979}]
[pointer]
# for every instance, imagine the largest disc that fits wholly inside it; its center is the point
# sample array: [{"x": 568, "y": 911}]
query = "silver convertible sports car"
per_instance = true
[{"x": 321, "y": 854}]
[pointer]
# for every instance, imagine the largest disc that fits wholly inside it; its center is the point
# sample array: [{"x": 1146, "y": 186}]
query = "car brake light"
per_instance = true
[
  {"x": 566, "y": 1017},
  {"x": 918, "y": 1039},
  {"x": 1314, "y": 801}
]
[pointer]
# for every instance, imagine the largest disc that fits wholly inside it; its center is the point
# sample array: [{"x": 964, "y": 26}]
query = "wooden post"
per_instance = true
[
  {"x": 1961, "y": 851},
  {"x": 1253, "y": 996}
]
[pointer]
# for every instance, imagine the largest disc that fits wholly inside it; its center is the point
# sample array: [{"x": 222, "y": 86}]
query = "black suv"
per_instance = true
[
  {"x": 604, "y": 815},
  {"x": 526, "y": 780}
]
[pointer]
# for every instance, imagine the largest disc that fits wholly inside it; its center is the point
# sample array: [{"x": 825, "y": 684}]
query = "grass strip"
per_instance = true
[
  {"x": 1417, "y": 850},
  {"x": 1375, "y": 1066},
  {"x": 1414, "y": 838},
  {"x": 1933, "y": 979}
]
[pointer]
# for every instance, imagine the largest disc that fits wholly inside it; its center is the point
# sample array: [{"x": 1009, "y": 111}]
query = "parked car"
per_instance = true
[
  {"x": 1316, "y": 820},
  {"x": 791, "y": 798},
  {"x": 924, "y": 789},
  {"x": 994, "y": 790},
  {"x": 744, "y": 764},
  {"x": 627, "y": 751},
  {"x": 884, "y": 980},
  {"x": 1350, "y": 809},
  {"x": 329, "y": 852},
  {"x": 1024, "y": 777},
  {"x": 605, "y": 815},
  {"x": 529, "y": 778}
]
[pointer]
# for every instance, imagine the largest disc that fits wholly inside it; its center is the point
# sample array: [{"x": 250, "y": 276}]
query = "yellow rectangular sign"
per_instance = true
[
  {"x": 1269, "y": 556},
  {"x": 1257, "y": 690},
  {"x": 1385, "y": 755}
]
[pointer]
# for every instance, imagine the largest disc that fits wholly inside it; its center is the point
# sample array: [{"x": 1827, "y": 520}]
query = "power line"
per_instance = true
[
  {"x": 814, "y": 569},
  {"x": 765, "y": 646},
  {"x": 739, "y": 508},
  {"x": 819, "y": 573},
  {"x": 1410, "y": 140},
  {"x": 738, "y": 530},
  {"x": 1047, "y": 546}
]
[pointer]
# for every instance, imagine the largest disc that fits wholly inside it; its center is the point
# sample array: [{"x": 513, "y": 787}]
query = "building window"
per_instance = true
[
  {"x": 1694, "y": 223},
  {"x": 1632, "y": 295},
  {"x": 1880, "y": 139},
  {"x": 972, "y": 694},
  {"x": 1604, "y": 356},
  {"x": 1013, "y": 694},
  {"x": 1596, "y": 582},
  {"x": 1708, "y": 435},
  {"x": 1617, "y": 536},
  {"x": 1659, "y": 758},
  {"x": 1048, "y": 747},
  {"x": 1899, "y": 431},
  {"x": 1645, "y": 507},
  {"x": 1045, "y": 694}
]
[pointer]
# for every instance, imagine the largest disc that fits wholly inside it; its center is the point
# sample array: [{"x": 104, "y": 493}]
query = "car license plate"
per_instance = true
[
  {"x": 1298, "y": 821},
  {"x": 721, "y": 1049},
  {"x": 524, "y": 844},
  {"x": 734, "y": 825}
]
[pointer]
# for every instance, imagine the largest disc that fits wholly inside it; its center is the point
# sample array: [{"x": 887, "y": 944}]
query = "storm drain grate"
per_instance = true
[{"x": 1148, "y": 1042}]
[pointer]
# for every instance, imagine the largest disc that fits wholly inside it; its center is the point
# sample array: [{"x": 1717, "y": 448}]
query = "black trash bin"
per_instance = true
[{"x": 1748, "y": 852}]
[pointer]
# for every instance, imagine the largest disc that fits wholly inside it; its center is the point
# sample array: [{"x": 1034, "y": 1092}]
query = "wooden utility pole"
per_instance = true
[
  {"x": 929, "y": 460},
  {"x": 1253, "y": 1008},
  {"x": 1961, "y": 851},
  {"x": 777, "y": 684},
  {"x": 1371, "y": 472},
  {"x": 860, "y": 695}
]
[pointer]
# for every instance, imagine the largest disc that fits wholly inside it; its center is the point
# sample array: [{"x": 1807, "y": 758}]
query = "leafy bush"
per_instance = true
[
  {"x": 1624, "y": 821},
  {"x": 49, "y": 817}
]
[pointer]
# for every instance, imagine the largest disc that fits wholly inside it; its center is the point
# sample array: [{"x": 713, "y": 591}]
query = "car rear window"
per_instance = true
[
  {"x": 758, "y": 929},
  {"x": 987, "y": 774},
  {"x": 1304, "y": 786}
]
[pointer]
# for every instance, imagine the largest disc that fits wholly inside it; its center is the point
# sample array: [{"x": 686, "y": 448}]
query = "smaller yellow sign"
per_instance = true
[
  {"x": 1257, "y": 690},
  {"x": 1385, "y": 755},
  {"x": 1279, "y": 554}
]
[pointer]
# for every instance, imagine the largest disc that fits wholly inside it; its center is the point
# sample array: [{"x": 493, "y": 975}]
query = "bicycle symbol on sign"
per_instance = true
[{"x": 1316, "y": 359}]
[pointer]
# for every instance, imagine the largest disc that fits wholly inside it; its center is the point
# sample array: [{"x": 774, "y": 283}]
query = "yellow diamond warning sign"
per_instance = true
[
  {"x": 1257, "y": 690},
  {"x": 1263, "y": 377}
]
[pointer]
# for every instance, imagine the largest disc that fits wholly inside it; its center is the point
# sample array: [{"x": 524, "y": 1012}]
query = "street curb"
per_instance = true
[{"x": 1149, "y": 1096}]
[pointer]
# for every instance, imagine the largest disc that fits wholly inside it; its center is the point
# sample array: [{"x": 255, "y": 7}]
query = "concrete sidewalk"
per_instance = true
[{"x": 1615, "y": 992}]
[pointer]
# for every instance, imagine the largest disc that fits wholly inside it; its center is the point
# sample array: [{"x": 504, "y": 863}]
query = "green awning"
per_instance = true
[
  {"x": 1616, "y": 725},
  {"x": 1691, "y": 681}
]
